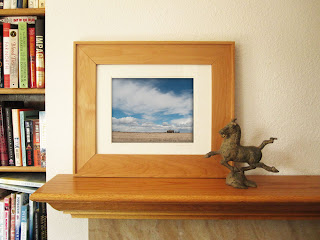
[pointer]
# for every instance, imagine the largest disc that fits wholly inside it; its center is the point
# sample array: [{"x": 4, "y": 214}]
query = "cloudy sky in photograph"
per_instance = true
[{"x": 152, "y": 104}]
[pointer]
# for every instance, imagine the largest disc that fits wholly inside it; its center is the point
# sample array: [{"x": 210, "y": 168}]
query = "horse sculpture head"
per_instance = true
[{"x": 230, "y": 129}]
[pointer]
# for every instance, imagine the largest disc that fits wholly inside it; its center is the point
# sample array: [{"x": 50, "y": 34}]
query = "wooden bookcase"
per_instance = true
[{"x": 31, "y": 97}]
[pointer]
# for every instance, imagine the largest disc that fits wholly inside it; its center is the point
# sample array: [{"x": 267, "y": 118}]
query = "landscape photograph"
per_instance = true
[{"x": 152, "y": 110}]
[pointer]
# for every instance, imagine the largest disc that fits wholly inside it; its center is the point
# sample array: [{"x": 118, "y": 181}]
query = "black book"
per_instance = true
[
  {"x": 36, "y": 222},
  {"x": 7, "y": 106},
  {"x": 28, "y": 125},
  {"x": 43, "y": 221}
]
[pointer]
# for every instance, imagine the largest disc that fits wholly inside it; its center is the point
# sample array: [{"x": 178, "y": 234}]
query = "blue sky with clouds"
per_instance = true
[{"x": 152, "y": 104}]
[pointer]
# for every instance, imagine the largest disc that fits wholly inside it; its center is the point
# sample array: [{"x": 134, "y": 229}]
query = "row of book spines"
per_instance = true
[
  {"x": 22, "y": 218},
  {"x": 13, "y": 4},
  {"x": 21, "y": 143},
  {"x": 23, "y": 55}
]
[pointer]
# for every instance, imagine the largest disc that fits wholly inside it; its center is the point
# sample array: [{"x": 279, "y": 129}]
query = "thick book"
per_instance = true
[
  {"x": 22, "y": 3},
  {"x": 6, "y": 54},
  {"x": 36, "y": 222},
  {"x": 43, "y": 137},
  {"x": 33, "y": 4},
  {"x": 14, "y": 58},
  {"x": 23, "y": 55},
  {"x": 24, "y": 115},
  {"x": 41, "y": 3},
  {"x": 21, "y": 199},
  {"x": 23, "y": 179},
  {"x": 8, "y": 105},
  {"x": 4, "y": 156},
  {"x": 13, "y": 216},
  {"x": 14, "y": 4},
  {"x": 7, "y": 215},
  {"x": 36, "y": 143},
  {"x": 6, "y": 4},
  {"x": 29, "y": 142},
  {"x": 24, "y": 221},
  {"x": 1, "y": 218},
  {"x": 16, "y": 127},
  {"x": 32, "y": 56},
  {"x": 32, "y": 207},
  {"x": 40, "y": 53},
  {"x": 1, "y": 57},
  {"x": 43, "y": 221},
  {"x": 17, "y": 188}
]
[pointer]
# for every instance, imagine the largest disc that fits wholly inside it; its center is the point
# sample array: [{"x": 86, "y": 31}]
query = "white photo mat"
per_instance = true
[{"x": 202, "y": 108}]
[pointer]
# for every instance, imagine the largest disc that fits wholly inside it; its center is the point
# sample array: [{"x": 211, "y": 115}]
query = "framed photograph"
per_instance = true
[{"x": 151, "y": 109}]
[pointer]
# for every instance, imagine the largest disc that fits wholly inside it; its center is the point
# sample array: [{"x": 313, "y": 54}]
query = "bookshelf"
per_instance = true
[{"x": 32, "y": 97}]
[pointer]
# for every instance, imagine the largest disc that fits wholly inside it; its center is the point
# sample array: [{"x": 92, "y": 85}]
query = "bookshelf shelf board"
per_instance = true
[
  {"x": 21, "y": 169},
  {"x": 276, "y": 197},
  {"x": 22, "y": 91},
  {"x": 23, "y": 12}
]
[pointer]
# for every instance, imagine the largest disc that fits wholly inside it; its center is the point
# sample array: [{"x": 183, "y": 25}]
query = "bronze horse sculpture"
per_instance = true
[{"x": 231, "y": 150}]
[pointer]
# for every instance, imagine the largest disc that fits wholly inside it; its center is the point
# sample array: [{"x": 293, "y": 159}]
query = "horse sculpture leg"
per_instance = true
[
  {"x": 212, "y": 153},
  {"x": 226, "y": 164},
  {"x": 265, "y": 142},
  {"x": 266, "y": 167}
]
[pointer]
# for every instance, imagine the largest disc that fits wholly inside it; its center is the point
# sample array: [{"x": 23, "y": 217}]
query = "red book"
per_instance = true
[
  {"x": 32, "y": 56},
  {"x": 36, "y": 143},
  {"x": 6, "y": 54}
]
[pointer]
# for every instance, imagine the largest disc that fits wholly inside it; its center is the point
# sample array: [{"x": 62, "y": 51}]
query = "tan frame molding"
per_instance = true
[{"x": 87, "y": 55}]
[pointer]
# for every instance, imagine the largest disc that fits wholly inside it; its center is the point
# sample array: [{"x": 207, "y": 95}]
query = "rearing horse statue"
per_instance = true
[{"x": 231, "y": 150}]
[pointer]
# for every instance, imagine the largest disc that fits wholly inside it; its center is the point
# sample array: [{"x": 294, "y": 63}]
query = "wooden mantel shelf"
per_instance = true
[{"x": 277, "y": 197}]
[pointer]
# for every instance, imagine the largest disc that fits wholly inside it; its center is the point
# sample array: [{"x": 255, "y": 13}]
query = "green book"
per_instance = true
[{"x": 23, "y": 55}]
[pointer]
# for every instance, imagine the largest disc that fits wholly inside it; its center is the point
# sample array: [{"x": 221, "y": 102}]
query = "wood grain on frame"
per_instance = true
[{"x": 220, "y": 55}]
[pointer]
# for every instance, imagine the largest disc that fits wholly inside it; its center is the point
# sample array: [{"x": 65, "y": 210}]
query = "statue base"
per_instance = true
[{"x": 237, "y": 179}]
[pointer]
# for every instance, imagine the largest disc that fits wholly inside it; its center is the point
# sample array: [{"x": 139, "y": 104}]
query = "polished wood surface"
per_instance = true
[
  {"x": 21, "y": 169},
  {"x": 23, "y": 12},
  {"x": 88, "y": 163},
  {"x": 277, "y": 197},
  {"x": 22, "y": 91}
]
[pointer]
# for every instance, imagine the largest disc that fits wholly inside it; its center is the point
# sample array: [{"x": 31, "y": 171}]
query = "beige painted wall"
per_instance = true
[{"x": 277, "y": 76}]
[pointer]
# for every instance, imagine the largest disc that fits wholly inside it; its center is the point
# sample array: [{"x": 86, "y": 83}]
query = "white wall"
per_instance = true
[{"x": 277, "y": 71}]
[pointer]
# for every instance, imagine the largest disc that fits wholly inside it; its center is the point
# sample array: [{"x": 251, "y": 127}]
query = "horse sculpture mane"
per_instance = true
[{"x": 232, "y": 150}]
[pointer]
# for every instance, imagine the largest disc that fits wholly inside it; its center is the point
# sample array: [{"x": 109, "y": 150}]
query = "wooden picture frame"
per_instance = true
[{"x": 87, "y": 55}]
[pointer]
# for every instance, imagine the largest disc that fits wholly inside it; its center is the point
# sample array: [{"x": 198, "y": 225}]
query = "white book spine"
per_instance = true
[
  {"x": 36, "y": 3},
  {"x": 1, "y": 220},
  {"x": 13, "y": 4},
  {"x": 6, "y": 4},
  {"x": 41, "y": 3},
  {"x": 16, "y": 136},
  {"x": 14, "y": 56},
  {"x": 31, "y": 4}
]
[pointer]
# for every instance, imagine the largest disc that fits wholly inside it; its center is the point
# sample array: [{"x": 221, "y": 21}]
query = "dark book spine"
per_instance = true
[
  {"x": 1, "y": 4},
  {"x": 19, "y": 3},
  {"x": 40, "y": 53},
  {"x": 9, "y": 131},
  {"x": 36, "y": 226},
  {"x": 1, "y": 56},
  {"x": 29, "y": 142},
  {"x": 3, "y": 141},
  {"x": 43, "y": 221}
]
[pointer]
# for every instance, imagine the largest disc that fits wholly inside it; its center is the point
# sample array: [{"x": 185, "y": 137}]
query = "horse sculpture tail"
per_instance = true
[{"x": 265, "y": 142}]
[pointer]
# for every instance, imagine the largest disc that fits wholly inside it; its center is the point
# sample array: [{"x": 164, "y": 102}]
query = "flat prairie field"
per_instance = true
[{"x": 151, "y": 137}]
